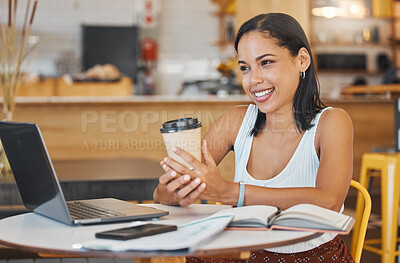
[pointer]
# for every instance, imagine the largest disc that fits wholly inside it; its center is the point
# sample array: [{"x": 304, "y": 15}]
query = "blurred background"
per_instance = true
[
  {"x": 185, "y": 46},
  {"x": 106, "y": 74}
]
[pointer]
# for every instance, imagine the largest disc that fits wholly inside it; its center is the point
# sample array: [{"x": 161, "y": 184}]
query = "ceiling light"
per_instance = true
[
  {"x": 329, "y": 11},
  {"x": 355, "y": 9}
]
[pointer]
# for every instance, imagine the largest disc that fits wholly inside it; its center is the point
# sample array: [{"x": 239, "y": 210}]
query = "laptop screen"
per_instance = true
[{"x": 31, "y": 168}]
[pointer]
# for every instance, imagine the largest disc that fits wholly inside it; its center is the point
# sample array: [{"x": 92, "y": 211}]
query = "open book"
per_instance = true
[{"x": 299, "y": 217}]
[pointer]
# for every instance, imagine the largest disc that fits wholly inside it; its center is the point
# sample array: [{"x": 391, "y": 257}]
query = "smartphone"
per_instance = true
[{"x": 136, "y": 231}]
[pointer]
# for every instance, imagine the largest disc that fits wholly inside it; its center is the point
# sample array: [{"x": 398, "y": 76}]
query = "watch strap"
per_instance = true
[{"x": 241, "y": 194}]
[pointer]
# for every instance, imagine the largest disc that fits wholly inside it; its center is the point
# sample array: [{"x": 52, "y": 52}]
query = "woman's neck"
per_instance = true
[{"x": 281, "y": 122}]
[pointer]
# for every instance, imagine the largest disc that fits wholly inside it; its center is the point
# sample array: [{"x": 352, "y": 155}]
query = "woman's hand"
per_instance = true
[
  {"x": 215, "y": 187},
  {"x": 177, "y": 189}
]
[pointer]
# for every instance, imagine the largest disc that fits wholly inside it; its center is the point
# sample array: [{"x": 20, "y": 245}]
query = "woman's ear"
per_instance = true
[{"x": 304, "y": 59}]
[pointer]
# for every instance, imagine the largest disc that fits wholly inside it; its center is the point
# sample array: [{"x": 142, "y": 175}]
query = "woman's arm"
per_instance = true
[
  {"x": 222, "y": 134},
  {"x": 334, "y": 144}
]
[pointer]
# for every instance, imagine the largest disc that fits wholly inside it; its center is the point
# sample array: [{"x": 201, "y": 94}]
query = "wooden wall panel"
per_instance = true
[
  {"x": 130, "y": 129},
  {"x": 76, "y": 131}
]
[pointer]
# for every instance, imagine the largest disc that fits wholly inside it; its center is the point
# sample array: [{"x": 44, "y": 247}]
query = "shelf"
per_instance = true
[
  {"x": 345, "y": 36},
  {"x": 349, "y": 71},
  {"x": 349, "y": 45},
  {"x": 222, "y": 13},
  {"x": 217, "y": 42},
  {"x": 226, "y": 9},
  {"x": 367, "y": 18},
  {"x": 374, "y": 89}
]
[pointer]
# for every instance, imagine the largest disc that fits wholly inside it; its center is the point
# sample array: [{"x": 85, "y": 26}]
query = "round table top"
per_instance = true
[{"x": 35, "y": 233}]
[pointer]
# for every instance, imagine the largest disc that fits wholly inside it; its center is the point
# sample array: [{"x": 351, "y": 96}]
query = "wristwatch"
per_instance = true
[{"x": 241, "y": 193}]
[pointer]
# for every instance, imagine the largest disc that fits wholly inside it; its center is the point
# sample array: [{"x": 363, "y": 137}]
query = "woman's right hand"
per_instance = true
[{"x": 177, "y": 189}]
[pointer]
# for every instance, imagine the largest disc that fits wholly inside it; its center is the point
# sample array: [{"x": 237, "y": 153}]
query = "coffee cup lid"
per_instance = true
[{"x": 180, "y": 125}]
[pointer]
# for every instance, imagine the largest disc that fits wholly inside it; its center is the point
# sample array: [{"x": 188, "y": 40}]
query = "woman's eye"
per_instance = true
[
  {"x": 243, "y": 68},
  {"x": 265, "y": 62}
]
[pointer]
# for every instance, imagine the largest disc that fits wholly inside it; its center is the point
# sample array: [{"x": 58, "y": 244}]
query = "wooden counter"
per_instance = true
[
  {"x": 389, "y": 90},
  {"x": 58, "y": 87},
  {"x": 84, "y": 128},
  {"x": 76, "y": 128}
]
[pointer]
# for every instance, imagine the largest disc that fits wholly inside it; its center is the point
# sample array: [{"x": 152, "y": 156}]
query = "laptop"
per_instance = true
[{"x": 40, "y": 189}]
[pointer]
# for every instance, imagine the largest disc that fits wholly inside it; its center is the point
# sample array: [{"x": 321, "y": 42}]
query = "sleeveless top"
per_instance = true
[{"x": 300, "y": 171}]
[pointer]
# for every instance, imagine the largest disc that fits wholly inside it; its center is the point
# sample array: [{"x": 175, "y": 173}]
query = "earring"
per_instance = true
[{"x": 302, "y": 74}]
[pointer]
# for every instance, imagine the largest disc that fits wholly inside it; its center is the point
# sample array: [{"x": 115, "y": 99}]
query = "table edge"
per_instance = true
[{"x": 149, "y": 254}]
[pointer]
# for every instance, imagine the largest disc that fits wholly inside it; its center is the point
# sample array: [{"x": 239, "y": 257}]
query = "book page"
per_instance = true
[
  {"x": 249, "y": 216},
  {"x": 307, "y": 215}
]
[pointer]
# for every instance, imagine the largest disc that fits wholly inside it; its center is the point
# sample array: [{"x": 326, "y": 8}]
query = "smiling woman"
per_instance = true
[
  {"x": 287, "y": 146},
  {"x": 306, "y": 101}
]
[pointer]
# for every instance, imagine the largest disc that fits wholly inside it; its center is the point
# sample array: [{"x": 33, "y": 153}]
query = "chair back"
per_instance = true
[
  {"x": 364, "y": 221},
  {"x": 397, "y": 125}
]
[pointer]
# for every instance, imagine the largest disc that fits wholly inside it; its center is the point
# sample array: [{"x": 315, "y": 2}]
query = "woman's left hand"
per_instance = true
[{"x": 216, "y": 185}]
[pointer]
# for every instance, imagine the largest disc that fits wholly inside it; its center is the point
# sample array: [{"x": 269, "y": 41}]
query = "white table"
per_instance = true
[{"x": 35, "y": 233}]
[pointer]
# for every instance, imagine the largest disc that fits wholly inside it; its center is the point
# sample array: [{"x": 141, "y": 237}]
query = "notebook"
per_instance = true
[
  {"x": 188, "y": 237},
  {"x": 40, "y": 189}
]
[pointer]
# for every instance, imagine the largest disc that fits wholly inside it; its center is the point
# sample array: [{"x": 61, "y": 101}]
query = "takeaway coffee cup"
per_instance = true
[{"x": 183, "y": 133}]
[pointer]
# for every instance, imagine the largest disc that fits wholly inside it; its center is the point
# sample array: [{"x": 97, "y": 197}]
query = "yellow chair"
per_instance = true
[
  {"x": 387, "y": 166},
  {"x": 362, "y": 223}
]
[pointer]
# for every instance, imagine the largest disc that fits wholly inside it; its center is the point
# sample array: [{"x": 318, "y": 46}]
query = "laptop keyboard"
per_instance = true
[{"x": 80, "y": 210}]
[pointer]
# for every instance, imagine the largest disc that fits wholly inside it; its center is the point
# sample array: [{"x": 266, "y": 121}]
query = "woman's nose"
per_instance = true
[{"x": 255, "y": 77}]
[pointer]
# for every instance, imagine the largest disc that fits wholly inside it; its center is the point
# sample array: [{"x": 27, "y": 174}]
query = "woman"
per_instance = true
[{"x": 289, "y": 148}]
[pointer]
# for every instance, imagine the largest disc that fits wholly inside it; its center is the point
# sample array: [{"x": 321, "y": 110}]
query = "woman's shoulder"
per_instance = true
[
  {"x": 227, "y": 126},
  {"x": 237, "y": 112},
  {"x": 241, "y": 110},
  {"x": 232, "y": 118},
  {"x": 334, "y": 119},
  {"x": 335, "y": 128},
  {"x": 335, "y": 114}
]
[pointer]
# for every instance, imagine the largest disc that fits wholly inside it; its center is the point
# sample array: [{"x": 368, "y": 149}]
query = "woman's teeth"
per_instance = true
[{"x": 262, "y": 93}]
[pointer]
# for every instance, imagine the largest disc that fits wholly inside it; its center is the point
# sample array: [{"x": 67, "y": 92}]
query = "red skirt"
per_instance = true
[{"x": 332, "y": 251}]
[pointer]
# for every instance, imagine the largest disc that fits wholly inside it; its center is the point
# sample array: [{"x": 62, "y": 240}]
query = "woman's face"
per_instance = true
[{"x": 270, "y": 74}]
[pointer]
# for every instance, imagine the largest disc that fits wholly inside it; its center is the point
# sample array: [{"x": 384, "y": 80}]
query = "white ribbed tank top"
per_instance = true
[{"x": 301, "y": 170}]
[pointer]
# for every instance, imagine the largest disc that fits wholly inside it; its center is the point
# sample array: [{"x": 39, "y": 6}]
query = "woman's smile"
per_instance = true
[{"x": 263, "y": 95}]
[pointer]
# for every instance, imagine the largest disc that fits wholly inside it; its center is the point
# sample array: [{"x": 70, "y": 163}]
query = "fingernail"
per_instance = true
[
  {"x": 202, "y": 186},
  {"x": 173, "y": 173},
  {"x": 186, "y": 177},
  {"x": 164, "y": 166},
  {"x": 165, "y": 159},
  {"x": 174, "y": 149},
  {"x": 197, "y": 181}
]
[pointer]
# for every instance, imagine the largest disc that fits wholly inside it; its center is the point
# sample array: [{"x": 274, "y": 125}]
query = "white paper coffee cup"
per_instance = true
[{"x": 184, "y": 133}]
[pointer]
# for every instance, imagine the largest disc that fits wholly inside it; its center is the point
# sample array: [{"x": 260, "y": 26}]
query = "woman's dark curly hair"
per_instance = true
[{"x": 289, "y": 34}]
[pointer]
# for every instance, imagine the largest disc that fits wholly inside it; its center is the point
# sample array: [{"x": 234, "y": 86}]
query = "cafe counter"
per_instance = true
[{"x": 96, "y": 128}]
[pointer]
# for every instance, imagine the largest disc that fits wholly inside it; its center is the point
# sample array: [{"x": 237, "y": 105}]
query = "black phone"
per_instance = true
[{"x": 136, "y": 231}]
